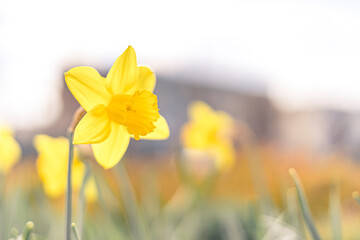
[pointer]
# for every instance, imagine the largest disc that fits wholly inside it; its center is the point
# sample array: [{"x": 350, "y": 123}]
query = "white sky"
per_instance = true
[{"x": 306, "y": 53}]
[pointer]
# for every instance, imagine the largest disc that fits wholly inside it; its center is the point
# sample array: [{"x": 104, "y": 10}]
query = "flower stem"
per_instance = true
[
  {"x": 76, "y": 232},
  {"x": 79, "y": 113},
  {"x": 82, "y": 201},
  {"x": 69, "y": 187},
  {"x": 29, "y": 226}
]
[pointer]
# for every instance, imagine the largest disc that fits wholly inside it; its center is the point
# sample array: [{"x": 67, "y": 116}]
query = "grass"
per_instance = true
[{"x": 145, "y": 199}]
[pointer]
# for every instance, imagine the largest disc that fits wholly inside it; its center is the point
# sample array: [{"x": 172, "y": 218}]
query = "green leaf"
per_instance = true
[{"x": 304, "y": 205}]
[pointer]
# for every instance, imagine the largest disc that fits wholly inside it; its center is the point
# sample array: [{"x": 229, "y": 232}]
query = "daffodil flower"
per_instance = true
[
  {"x": 118, "y": 107},
  {"x": 52, "y": 165},
  {"x": 10, "y": 150},
  {"x": 210, "y": 131}
]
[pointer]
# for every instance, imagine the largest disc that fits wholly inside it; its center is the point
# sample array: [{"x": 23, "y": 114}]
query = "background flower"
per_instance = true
[
  {"x": 91, "y": 192},
  {"x": 52, "y": 164},
  {"x": 10, "y": 150},
  {"x": 209, "y": 131}
]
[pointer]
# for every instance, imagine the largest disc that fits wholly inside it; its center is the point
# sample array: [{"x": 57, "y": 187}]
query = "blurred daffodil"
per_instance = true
[
  {"x": 118, "y": 107},
  {"x": 209, "y": 132},
  {"x": 91, "y": 193},
  {"x": 10, "y": 150},
  {"x": 52, "y": 165}
]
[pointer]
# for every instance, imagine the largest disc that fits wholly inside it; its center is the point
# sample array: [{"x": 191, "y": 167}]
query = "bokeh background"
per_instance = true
[{"x": 288, "y": 69}]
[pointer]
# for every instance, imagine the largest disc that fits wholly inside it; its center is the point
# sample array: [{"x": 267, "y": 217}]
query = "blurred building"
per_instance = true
[
  {"x": 318, "y": 131},
  {"x": 174, "y": 96},
  {"x": 321, "y": 131}
]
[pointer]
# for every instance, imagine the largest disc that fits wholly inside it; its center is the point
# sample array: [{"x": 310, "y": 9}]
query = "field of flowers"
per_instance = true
[{"x": 220, "y": 183}]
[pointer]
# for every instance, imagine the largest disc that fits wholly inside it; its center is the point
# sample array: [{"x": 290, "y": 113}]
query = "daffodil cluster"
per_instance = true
[
  {"x": 119, "y": 106},
  {"x": 209, "y": 132}
]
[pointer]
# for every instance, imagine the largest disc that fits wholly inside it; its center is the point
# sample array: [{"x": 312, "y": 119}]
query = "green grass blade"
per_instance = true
[
  {"x": 304, "y": 205},
  {"x": 335, "y": 213},
  {"x": 293, "y": 211},
  {"x": 131, "y": 205}
]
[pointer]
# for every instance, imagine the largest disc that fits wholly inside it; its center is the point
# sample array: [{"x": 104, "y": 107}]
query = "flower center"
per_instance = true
[{"x": 137, "y": 112}]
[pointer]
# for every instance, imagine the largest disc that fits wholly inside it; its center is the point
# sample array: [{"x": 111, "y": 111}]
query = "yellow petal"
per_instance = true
[
  {"x": 198, "y": 135},
  {"x": 224, "y": 153},
  {"x": 87, "y": 86},
  {"x": 145, "y": 81},
  {"x": 6, "y": 131},
  {"x": 199, "y": 111},
  {"x": 91, "y": 193},
  {"x": 10, "y": 152},
  {"x": 160, "y": 132},
  {"x": 51, "y": 146},
  {"x": 109, "y": 152},
  {"x": 94, "y": 127},
  {"x": 124, "y": 73},
  {"x": 52, "y": 175},
  {"x": 78, "y": 172}
]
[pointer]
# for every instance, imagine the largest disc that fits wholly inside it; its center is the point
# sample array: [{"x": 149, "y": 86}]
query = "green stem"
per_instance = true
[
  {"x": 82, "y": 202},
  {"x": 75, "y": 231},
  {"x": 69, "y": 187},
  {"x": 29, "y": 226}
]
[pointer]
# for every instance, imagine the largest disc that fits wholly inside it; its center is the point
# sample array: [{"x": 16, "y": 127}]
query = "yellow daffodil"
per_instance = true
[
  {"x": 210, "y": 131},
  {"x": 52, "y": 165},
  {"x": 10, "y": 150},
  {"x": 118, "y": 107}
]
